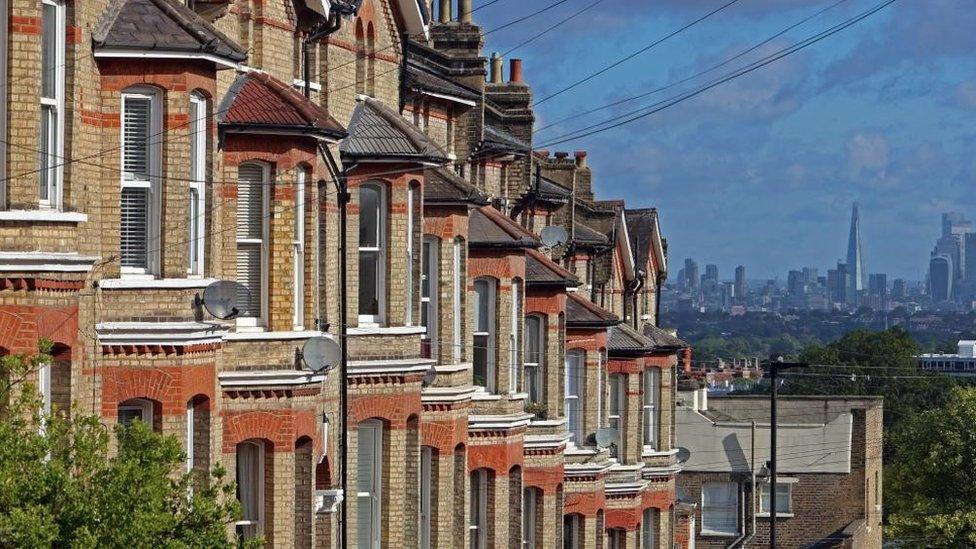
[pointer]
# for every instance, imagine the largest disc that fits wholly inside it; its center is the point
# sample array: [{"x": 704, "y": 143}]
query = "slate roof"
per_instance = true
[
  {"x": 378, "y": 132},
  {"x": 624, "y": 339},
  {"x": 164, "y": 25},
  {"x": 487, "y": 227},
  {"x": 580, "y": 312},
  {"x": 588, "y": 235},
  {"x": 421, "y": 79},
  {"x": 443, "y": 186},
  {"x": 542, "y": 271},
  {"x": 640, "y": 226},
  {"x": 496, "y": 140},
  {"x": 547, "y": 189},
  {"x": 257, "y": 103},
  {"x": 662, "y": 338}
]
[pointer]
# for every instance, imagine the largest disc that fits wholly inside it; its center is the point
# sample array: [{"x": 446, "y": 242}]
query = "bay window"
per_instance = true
[
  {"x": 513, "y": 355},
  {"x": 298, "y": 252},
  {"x": 253, "y": 198},
  {"x": 651, "y": 407},
  {"x": 479, "y": 509},
  {"x": 485, "y": 290},
  {"x": 574, "y": 395},
  {"x": 534, "y": 345},
  {"x": 408, "y": 306},
  {"x": 141, "y": 163},
  {"x": 429, "y": 294},
  {"x": 51, "y": 131},
  {"x": 250, "y": 488},
  {"x": 372, "y": 272},
  {"x": 369, "y": 475},
  {"x": 198, "y": 179},
  {"x": 720, "y": 508},
  {"x": 649, "y": 529},
  {"x": 456, "y": 298},
  {"x": 615, "y": 411}
]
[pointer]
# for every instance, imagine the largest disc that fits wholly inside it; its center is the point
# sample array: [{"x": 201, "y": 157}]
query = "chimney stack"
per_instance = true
[
  {"x": 580, "y": 159},
  {"x": 496, "y": 68},
  {"x": 560, "y": 155},
  {"x": 515, "y": 71},
  {"x": 543, "y": 153},
  {"x": 445, "y": 11},
  {"x": 464, "y": 7}
]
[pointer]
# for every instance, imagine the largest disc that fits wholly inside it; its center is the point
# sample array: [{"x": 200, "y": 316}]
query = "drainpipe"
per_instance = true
[
  {"x": 657, "y": 300},
  {"x": 635, "y": 291},
  {"x": 747, "y": 536}
]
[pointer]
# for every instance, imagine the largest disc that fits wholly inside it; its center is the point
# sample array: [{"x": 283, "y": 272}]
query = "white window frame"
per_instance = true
[
  {"x": 530, "y": 502},
  {"x": 153, "y": 207},
  {"x": 372, "y": 428},
  {"x": 380, "y": 251},
  {"x": 514, "y": 350},
  {"x": 298, "y": 252},
  {"x": 651, "y": 408},
  {"x": 648, "y": 534},
  {"x": 709, "y": 528},
  {"x": 617, "y": 386},
  {"x": 532, "y": 369},
  {"x": 198, "y": 184},
  {"x": 457, "y": 297},
  {"x": 54, "y": 167},
  {"x": 189, "y": 436},
  {"x": 408, "y": 304},
  {"x": 260, "y": 321},
  {"x": 141, "y": 405},
  {"x": 431, "y": 276},
  {"x": 489, "y": 336},
  {"x": 783, "y": 483},
  {"x": 600, "y": 389},
  {"x": 575, "y": 367},
  {"x": 253, "y": 527},
  {"x": 426, "y": 464},
  {"x": 44, "y": 387},
  {"x": 479, "y": 509}
]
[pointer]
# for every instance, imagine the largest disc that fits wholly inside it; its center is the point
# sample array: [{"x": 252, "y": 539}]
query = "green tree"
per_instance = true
[
  {"x": 930, "y": 480},
  {"x": 61, "y": 486}
]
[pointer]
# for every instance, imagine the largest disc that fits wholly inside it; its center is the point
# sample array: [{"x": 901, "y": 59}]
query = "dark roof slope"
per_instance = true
[
  {"x": 257, "y": 102},
  {"x": 640, "y": 226},
  {"x": 547, "y": 189},
  {"x": 587, "y": 235},
  {"x": 443, "y": 186},
  {"x": 542, "y": 271},
  {"x": 487, "y": 227},
  {"x": 624, "y": 339},
  {"x": 166, "y": 25},
  {"x": 582, "y": 313},
  {"x": 377, "y": 132},
  {"x": 496, "y": 141},
  {"x": 662, "y": 338},
  {"x": 422, "y": 79}
]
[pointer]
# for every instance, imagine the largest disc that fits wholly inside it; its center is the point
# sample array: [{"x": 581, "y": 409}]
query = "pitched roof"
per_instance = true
[
  {"x": 257, "y": 102},
  {"x": 662, "y": 338},
  {"x": 443, "y": 186},
  {"x": 487, "y": 227},
  {"x": 496, "y": 140},
  {"x": 422, "y": 79},
  {"x": 580, "y": 312},
  {"x": 162, "y": 25},
  {"x": 540, "y": 270},
  {"x": 588, "y": 235},
  {"x": 640, "y": 226},
  {"x": 546, "y": 189},
  {"x": 378, "y": 132},
  {"x": 624, "y": 339}
]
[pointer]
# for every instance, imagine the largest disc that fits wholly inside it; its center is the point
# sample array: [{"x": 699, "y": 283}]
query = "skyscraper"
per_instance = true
[
  {"x": 941, "y": 277},
  {"x": 740, "y": 281},
  {"x": 711, "y": 272},
  {"x": 856, "y": 276}
]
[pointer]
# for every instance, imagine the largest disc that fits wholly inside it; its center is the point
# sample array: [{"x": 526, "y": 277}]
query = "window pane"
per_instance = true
[
  {"x": 134, "y": 229},
  {"x": 480, "y": 366},
  {"x": 46, "y": 158},
  {"x": 249, "y": 275},
  {"x": 482, "y": 291},
  {"x": 369, "y": 204},
  {"x": 532, "y": 383},
  {"x": 426, "y": 274},
  {"x": 533, "y": 339},
  {"x": 368, "y": 280},
  {"x": 135, "y": 138},
  {"x": 49, "y": 48},
  {"x": 193, "y": 236},
  {"x": 250, "y": 201},
  {"x": 720, "y": 507}
]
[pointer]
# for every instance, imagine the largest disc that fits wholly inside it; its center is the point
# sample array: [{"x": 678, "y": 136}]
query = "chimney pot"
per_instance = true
[
  {"x": 562, "y": 155},
  {"x": 580, "y": 158},
  {"x": 496, "y": 68},
  {"x": 542, "y": 153},
  {"x": 445, "y": 11},
  {"x": 464, "y": 10},
  {"x": 515, "y": 71}
]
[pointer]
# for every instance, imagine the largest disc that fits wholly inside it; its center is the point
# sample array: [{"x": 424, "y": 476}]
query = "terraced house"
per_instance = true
[{"x": 153, "y": 147}]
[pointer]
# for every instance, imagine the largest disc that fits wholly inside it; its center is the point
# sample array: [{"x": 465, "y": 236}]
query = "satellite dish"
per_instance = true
[
  {"x": 429, "y": 377},
  {"x": 320, "y": 354},
  {"x": 683, "y": 454},
  {"x": 553, "y": 236},
  {"x": 226, "y": 299},
  {"x": 606, "y": 437}
]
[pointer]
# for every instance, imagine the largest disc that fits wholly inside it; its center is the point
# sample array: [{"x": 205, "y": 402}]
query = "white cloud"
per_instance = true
[{"x": 868, "y": 155}]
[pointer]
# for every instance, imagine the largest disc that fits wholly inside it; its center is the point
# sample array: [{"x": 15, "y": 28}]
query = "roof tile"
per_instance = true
[
  {"x": 376, "y": 131},
  {"x": 488, "y": 227},
  {"x": 258, "y": 101}
]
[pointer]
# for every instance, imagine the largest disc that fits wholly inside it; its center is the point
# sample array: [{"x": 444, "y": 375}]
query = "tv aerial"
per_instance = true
[
  {"x": 320, "y": 354},
  {"x": 606, "y": 437},
  {"x": 553, "y": 236},
  {"x": 225, "y": 299}
]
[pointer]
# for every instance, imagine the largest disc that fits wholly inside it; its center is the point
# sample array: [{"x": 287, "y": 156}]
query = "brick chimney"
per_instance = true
[
  {"x": 515, "y": 71},
  {"x": 445, "y": 11},
  {"x": 464, "y": 9},
  {"x": 580, "y": 159},
  {"x": 496, "y": 68},
  {"x": 561, "y": 155}
]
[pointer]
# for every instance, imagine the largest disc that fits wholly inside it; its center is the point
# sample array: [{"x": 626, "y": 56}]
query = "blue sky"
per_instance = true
[{"x": 762, "y": 170}]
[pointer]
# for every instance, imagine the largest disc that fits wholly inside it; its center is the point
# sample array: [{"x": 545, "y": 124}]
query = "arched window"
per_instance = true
[
  {"x": 516, "y": 325},
  {"x": 51, "y": 133},
  {"x": 429, "y": 294},
  {"x": 649, "y": 529},
  {"x": 535, "y": 344},
  {"x": 253, "y": 198},
  {"x": 573, "y": 531},
  {"x": 531, "y": 509},
  {"x": 142, "y": 119},
  {"x": 457, "y": 297},
  {"x": 250, "y": 488},
  {"x": 485, "y": 290},
  {"x": 651, "y": 407},
  {"x": 480, "y": 525},
  {"x": 372, "y": 244},
  {"x": 616, "y": 538},
  {"x": 428, "y": 478},
  {"x": 360, "y": 57},
  {"x": 370, "y": 60},
  {"x": 575, "y": 389},
  {"x": 198, "y": 129},
  {"x": 616, "y": 409},
  {"x": 369, "y": 484},
  {"x": 198, "y": 437},
  {"x": 298, "y": 251}
]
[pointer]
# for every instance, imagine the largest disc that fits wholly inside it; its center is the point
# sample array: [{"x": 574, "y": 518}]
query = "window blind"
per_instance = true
[
  {"x": 250, "y": 235},
  {"x": 135, "y": 138}
]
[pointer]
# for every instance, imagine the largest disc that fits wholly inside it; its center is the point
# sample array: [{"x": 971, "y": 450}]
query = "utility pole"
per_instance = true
[{"x": 774, "y": 367}]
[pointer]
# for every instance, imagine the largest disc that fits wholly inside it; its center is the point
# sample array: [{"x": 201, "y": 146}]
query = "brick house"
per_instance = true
[
  {"x": 154, "y": 147},
  {"x": 829, "y": 470}
]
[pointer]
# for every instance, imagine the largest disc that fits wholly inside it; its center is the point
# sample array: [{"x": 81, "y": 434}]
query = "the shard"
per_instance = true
[{"x": 856, "y": 274}]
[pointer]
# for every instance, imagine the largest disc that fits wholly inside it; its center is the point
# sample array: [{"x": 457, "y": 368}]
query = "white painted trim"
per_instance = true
[
  {"x": 265, "y": 336},
  {"x": 163, "y": 54},
  {"x": 621, "y": 488},
  {"x": 545, "y": 441},
  {"x": 395, "y": 366},
  {"x": 155, "y": 283},
  {"x": 447, "y": 97},
  {"x": 452, "y": 368},
  {"x": 43, "y": 215},
  {"x": 584, "y": 469},
  {"x": 508, "y": 421},
  {"x": 264, "y": 378},
  {"x": 299, "y": 83},
  {"x": 46, "y": 262},
  {"x": 158, "y": 333},
  {"x": 549, "y": 423},
  {"x": 386, "y": 330},
  {"x": 649, "y": 452},
  {"x": 446, "y": 395}
]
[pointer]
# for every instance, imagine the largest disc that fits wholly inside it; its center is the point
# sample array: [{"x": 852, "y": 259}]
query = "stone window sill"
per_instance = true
[{"x": 49, "y": 216}]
